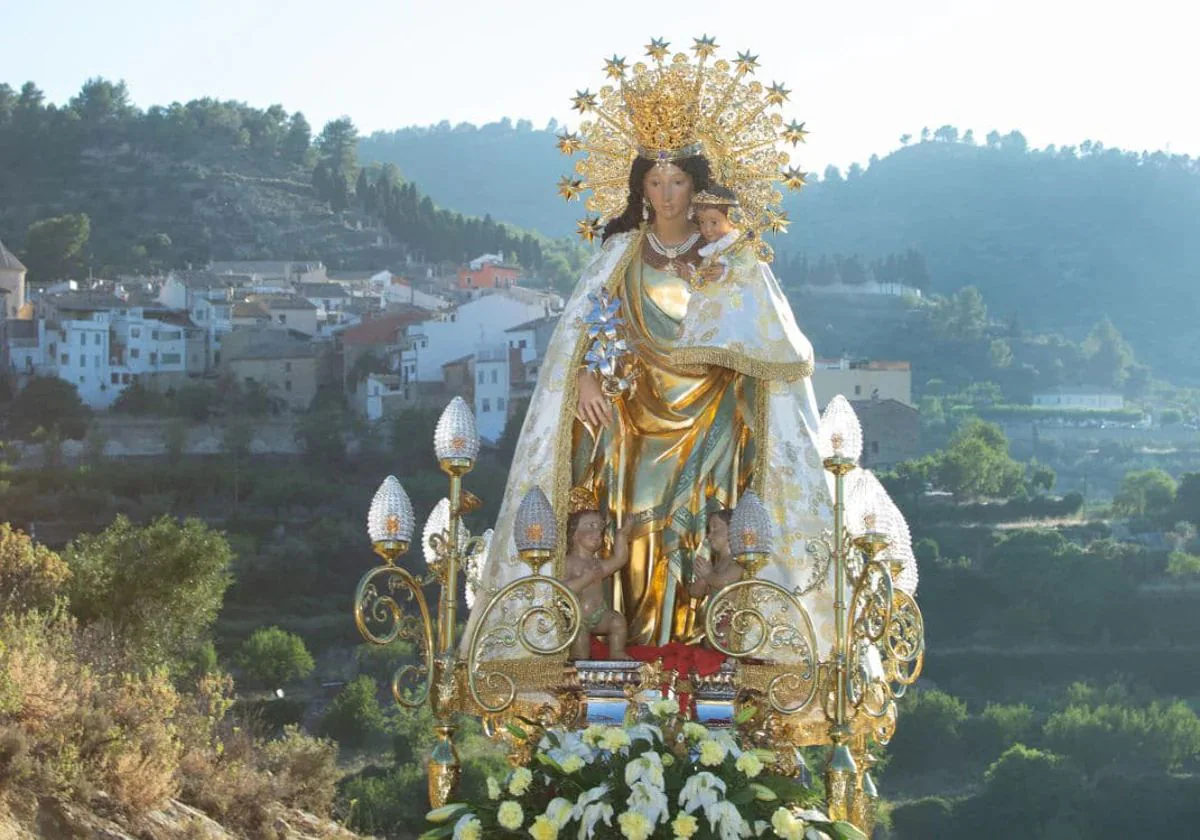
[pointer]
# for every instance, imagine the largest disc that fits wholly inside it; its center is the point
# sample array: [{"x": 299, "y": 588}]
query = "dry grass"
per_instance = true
[{"x": 76, "y": 720}]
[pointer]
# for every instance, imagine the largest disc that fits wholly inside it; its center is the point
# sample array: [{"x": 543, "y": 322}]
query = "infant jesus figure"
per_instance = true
[{"x": 585, "y": 576}]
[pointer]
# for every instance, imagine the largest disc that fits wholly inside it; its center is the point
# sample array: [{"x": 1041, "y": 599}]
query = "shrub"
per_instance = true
[
  {"x": 996, "y": 729},
  {"x": 273, "y": 657},
  {"x": 923, "y": 819},
  {"x": 31, "y": 575},
  {"x": 355, "y": 715},
  {"x": 158, "y": 587},
  {"x": 930, "y": 738}
]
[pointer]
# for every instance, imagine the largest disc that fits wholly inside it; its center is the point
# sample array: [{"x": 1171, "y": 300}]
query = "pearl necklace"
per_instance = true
[{"x": 671, "y": 252}]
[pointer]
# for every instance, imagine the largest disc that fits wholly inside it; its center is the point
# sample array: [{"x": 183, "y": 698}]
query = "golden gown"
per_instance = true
[{"x": 679, "y": 446}]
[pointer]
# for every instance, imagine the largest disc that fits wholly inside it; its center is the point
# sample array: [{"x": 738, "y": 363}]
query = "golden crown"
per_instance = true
[
  {"x": 676, "y": 107},
  {"x": 582, "y": 499},
  {"x": 663, "y": 112}
]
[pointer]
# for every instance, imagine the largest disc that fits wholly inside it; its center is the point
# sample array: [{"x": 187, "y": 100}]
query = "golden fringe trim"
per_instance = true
[{"x": 740, "y": 363}]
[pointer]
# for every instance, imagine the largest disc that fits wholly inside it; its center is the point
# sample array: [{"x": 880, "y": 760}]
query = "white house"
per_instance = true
[
  {"x": 480, "y": 322},
  {"x": 101, "y": 344},
  {"x": 492, "y": 383},
  {"x": 1079, "y": 397},
  {"x": 375, "y": 393}
]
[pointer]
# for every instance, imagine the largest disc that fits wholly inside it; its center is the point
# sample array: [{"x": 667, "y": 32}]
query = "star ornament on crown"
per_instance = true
[{"x": 676, "y": 106}]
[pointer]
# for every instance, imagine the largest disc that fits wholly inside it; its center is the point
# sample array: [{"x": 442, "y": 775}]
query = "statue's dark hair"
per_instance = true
[
  {"x": 725, "y": 515},
  {"x": 696, "y": 166}
]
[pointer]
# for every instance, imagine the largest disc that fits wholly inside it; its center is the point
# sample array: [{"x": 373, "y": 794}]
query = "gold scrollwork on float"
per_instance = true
[
  {"x": 532, "y": 616},
  {"x": 904, "y": 643},
  {"x": 756, "y": 619},
  {"x": 377, "y": 605}
]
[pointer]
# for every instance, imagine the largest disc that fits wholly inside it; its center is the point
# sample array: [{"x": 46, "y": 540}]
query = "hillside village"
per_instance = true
[{"x": 392, "y": 341}]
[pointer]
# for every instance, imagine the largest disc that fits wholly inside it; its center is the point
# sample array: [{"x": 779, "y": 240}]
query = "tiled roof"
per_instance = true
[
  {"x": 86, "y": 301},
  {"x": 283, "y": 302},
  {"x": 250, "y": 309},
  {"x": 382, "y": 329},
  {"x": 9, "y": 260}
]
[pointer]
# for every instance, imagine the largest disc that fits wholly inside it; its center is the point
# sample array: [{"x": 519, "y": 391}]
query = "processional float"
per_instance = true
[
  {"x": 821, "y": 663},
  {"x": 512, "y": 668}
]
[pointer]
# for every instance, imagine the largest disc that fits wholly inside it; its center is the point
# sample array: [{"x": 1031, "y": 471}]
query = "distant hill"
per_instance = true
[
  {"x": 189, "y": 182},
  {"x": 1060, "y": 237}
]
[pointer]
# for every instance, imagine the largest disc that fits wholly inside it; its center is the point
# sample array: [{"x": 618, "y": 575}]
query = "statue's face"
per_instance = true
[
  {"x": 589, "y": 532},
  {"x": 669, "y": 191},
  {"x": 718, "y": 535}
]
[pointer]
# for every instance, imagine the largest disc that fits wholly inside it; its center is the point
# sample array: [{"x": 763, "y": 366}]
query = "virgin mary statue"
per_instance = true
[{"x": 662, "y": 398}]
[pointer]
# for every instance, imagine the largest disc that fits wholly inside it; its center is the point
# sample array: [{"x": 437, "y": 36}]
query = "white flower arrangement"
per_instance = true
[{"x": 659, "y": 778}]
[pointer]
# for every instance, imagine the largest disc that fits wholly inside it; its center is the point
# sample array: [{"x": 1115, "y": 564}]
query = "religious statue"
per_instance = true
[{"x": 669, "y": 389}]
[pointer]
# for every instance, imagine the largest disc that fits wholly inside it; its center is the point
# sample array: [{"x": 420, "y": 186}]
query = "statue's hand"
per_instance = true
[{"x": 594, "y": 407}]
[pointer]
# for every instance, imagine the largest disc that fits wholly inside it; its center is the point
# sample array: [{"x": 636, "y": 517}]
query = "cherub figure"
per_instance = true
[
  {"x": 585, "y": 576},
  {"x": 713, "y": 573}
]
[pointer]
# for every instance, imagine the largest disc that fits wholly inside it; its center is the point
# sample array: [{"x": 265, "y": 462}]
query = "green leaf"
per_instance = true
[
  {"x": 845, "y": 831},
  {"x": 763, "y": 793},
  {"x": 439, "y": 815},
  {"x": 517, "y": 732},
  {"x": 745, "y": 714},
  {"x": 438, "y": 833},
  {"x": 742, "y": 796}
]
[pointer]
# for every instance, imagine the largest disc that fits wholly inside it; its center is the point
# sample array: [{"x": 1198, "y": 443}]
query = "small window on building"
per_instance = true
[
  {"x": 116, "y": 379},
  {"x": 83, "y": 361},
  {"x": 499, "y": 403},
  {"x": 287, "y": 367},
  {"x": 287, "y": 385},
  {"x": 124, "y": 378},
  {"x": 480, "y": 377},
  {"x": 96, "y": 361},
  {"x": 135, "y": 332},
  {"x": 135, "y": 353},
  {"x": 83, "y": 379},
  {"x": 857, "y": 390},
  {"x": 521, "y": 344},
  {"x": 494, "y": 377},
  {"x": 98, "y": 340},
  {"x": 154, "y": 358},
  {"x": 874, "y": 447},
  {"x": 282, "y": 318},
  {"x": 487, "y": 405},
  {"x": 66, "y": 360},
  {"x": 83, "y": 338}
]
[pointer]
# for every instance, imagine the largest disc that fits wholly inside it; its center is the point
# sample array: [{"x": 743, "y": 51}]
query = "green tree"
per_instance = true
[
  {"x": 1108, "y": 355},
  {"x": 977, "y": 464},
  {"x": 355, "y": 715},
  {"x": 236, "y": 444},
  {"x": 1146, "y": 494},
  {"x": 997, "y": 728},
  {"x": 1187, "y": 498},
  {"x": 931, "y": 737},
  {"x": 298, "y": 140},
  {"x": 272, "y": 657},
  {"x": 54, "y": 247},
  {"x": 31, "y": 575},
  {"x": 320, "y": 431},
  {"x": 157, "y": 587},
  {"x": 51, "y": 404},
  {"x": 964, "y": 317},
  {"x": 1027, "y": 793},
  {"x": 338, "y": 150}
]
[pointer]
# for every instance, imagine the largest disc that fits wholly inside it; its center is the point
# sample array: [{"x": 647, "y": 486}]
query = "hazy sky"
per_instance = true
[{"x": 862, "y": 72}]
